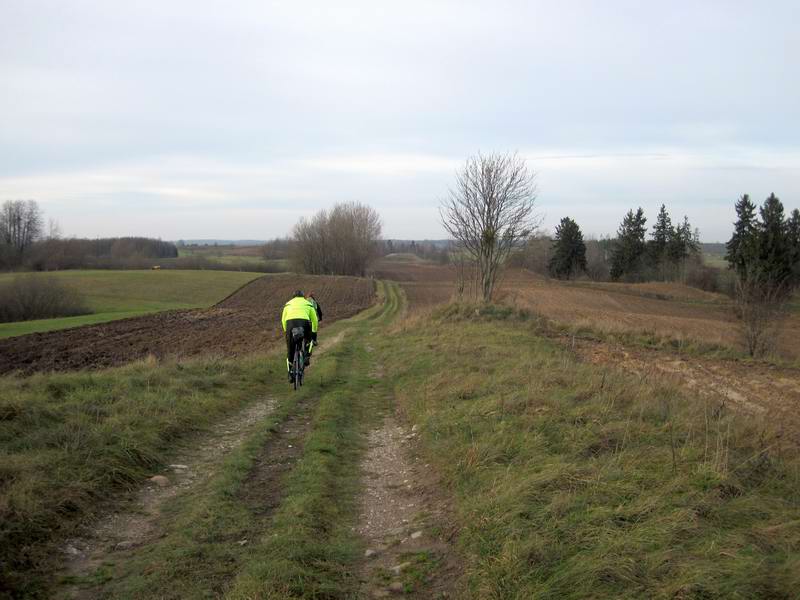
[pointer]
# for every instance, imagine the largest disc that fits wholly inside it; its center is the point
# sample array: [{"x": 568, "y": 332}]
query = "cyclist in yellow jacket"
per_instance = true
[{"x": 299, "y": 312}]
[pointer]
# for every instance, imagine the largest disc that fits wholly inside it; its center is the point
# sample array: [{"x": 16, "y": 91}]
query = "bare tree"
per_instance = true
[
  {"x": 20, "y": 225},
  {"x": 342, "y": 241},
  {"x": 463, "y": 268},
  {"x": 761, "y": 307},
  {"x": 53, "y": 230},
  {"x": 489, "y": 211}
]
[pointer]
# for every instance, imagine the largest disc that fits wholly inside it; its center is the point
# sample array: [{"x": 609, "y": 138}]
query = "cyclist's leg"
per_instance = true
[
  {"x": 289, "y": 353},
  {"x": 307, "y": 341},
  {"x": 291, "y": 324}
]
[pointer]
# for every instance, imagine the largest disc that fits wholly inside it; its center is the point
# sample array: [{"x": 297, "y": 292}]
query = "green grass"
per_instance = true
[
  {"x": 229, "y": 255},
  {"x": 567, "y": 480},
  {"x": 113, "y": 295},
  {"x": 70, "y": 440},
  {"x": 574, "y": 481},
  {"x": 73, "y": 440},
  {"x": 715, "y": 260}
]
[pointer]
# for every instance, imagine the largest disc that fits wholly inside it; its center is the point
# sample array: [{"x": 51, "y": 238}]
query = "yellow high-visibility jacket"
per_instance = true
[{"x": 300, "y": 308}]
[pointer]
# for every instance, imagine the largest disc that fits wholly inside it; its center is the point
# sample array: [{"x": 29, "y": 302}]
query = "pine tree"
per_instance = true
[
  {"x": 629, "y": 247},
  {"x": 660, "y": 239},
  {"x": 569, "y": 251},
  {"x": 793, "y": 230},
  {"x": 774, "y": 248},
  {"x": 682, "y": 244},
  {"x": 741, "y": 246}
]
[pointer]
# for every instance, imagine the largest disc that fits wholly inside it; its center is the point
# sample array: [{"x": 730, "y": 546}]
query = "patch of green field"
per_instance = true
[
  {"x": 576, "y": 481},
  {"x": 715, "y": 260},
  {"x": 115, "y": 295}
]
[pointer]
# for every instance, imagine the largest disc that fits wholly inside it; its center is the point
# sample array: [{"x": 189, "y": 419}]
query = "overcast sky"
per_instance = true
[{"x": 191, "y": 119}]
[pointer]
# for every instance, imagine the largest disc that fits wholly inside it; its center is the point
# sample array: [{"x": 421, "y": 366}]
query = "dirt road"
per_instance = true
[{"x": 213, "y": 521}]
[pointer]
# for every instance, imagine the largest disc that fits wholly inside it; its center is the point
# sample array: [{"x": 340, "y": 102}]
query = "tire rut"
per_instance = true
[
  {"x": 130, "y": 524},
  {"x": 133, "y": 524},
  {"x": 263, "y": 490},
  {"x": 403, "y": 521}
]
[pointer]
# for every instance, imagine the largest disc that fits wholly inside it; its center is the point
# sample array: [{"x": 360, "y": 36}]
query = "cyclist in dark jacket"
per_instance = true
[{"x": 318, "y": 308}]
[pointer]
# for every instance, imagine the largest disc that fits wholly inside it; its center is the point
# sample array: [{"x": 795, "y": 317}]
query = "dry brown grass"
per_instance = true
[{"x": 658, "y": 310}]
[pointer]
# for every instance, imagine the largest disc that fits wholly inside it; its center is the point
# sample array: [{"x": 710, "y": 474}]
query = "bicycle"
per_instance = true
[{"x": 299, "y": 360}]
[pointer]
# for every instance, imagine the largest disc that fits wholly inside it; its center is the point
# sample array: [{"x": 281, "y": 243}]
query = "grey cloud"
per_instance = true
[{"x": 91, "y": 86}]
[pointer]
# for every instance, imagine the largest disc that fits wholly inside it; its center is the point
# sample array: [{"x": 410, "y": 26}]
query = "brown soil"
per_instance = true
[
  {"x": 669, "y": 310},
  {"x": 246, "y": 321},
  {"x": 262, "y": 492},
  {"x": 759, "y": 390},
  {"x": 403, "y": 521}
]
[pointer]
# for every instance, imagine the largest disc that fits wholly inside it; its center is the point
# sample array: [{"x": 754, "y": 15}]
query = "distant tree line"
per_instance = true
[
  {"x": 339, "y": 241},
  {"x": 439, "y": 253},
  {"x": 671, "y": 252},
  {"x": 24, "y": 245},
  {"x": 74, "y": 253},
  {"x": 663, "y": 257},
  {"x": 277, "y": 249}
]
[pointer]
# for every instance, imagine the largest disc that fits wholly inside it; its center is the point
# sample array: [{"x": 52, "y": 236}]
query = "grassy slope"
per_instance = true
[
  {"x": 569, "y": 481},
  {"x": 120, "y": 294},
  {"x": 236, "y": 255},
  {"x": 307, "y": 548},
  {"x": 74, "y": 439},
  {"x": 575, "y": 482},
  {"x": 68, "y": 440}
]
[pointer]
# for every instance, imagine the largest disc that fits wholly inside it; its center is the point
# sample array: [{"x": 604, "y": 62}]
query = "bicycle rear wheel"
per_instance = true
[{"x": 297, "y": 369}]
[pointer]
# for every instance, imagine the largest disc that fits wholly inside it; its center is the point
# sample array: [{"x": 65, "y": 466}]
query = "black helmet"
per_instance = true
[{"x": 297, "y": 294}]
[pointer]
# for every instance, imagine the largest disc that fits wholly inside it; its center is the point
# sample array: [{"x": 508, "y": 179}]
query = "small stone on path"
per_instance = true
[
  {"x": 396, "y": 587},
  {"x": 416, "y": 535},
  {"x": 126, "y": 545},
  {"x": 397, "y": 569},
  {"x": 160, "y": 480},
  {"x": 72, "y": 551},
  {"x": 370, "y": 552}
]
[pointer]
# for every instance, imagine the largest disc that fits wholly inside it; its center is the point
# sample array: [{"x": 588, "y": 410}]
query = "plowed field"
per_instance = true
[
  {"x": 246, "y": 321},
  {"x": 424, "y": 284},
  {"x": 670, "y": 310}
]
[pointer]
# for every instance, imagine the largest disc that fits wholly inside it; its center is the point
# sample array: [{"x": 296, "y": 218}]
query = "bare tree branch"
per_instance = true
[{"x": 489, "y": 211}]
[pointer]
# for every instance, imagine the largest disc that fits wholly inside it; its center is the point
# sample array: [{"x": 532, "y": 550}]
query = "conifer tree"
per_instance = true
[
  {"x": 629, "y": 247},
  {"x": 774, "y": 248},
  {"x": 741, "y": 246},
  {"x": 569, "y": 250},
  {"x": 683, "y": 243},
  {"x": 793, "y": 230},
  {"x": 660, "y": 239}
]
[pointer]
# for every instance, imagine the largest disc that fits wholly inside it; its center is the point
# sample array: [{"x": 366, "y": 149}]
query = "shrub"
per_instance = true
[{"x": 33, "y": 297}]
